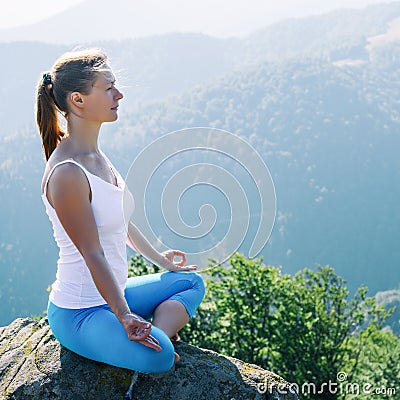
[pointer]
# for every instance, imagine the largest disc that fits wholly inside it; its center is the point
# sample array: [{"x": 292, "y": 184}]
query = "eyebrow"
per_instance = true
[{"x": 108, "y": 82}]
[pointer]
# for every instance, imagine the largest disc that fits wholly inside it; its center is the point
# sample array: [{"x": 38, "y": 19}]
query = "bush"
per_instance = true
[{"x": 303, "y": 327}]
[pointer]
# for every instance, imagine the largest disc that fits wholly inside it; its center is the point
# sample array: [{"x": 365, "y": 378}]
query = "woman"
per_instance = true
[{"x": 94, "y": 310}]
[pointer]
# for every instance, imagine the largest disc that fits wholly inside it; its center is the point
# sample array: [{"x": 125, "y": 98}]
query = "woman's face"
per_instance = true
[{"x": 101, "y": 104}]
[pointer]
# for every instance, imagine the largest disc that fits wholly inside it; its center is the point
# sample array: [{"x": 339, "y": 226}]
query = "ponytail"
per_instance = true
[{"x": 46, "y": 116}]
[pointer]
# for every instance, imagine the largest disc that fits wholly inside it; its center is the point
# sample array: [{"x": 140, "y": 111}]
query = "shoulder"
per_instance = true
[
  {"x": 65, "y": 180},
  {"x": 67, "y": 172}
]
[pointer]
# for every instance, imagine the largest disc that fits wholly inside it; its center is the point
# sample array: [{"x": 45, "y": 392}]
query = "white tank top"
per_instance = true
[{"x": 74, "y": 286}]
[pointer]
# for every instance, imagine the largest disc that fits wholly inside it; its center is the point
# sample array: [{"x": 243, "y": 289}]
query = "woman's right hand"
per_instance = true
[{"x": 138, "y": 330}]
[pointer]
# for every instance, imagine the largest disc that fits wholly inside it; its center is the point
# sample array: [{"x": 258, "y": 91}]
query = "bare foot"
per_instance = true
[
  {"x": 177, "y": 358},
  {"x": 175, "y": 338}
]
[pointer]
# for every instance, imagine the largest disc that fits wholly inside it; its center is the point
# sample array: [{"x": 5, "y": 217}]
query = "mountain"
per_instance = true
[
  {"x": 98, "y": 20},
  {"x": 159, "y": 66},
  {"x": 320, "y": 106},
  {"x": 329, "y": 137},
  {"x": 334, "y": 36},
  {"x": 146, "y": 69}
]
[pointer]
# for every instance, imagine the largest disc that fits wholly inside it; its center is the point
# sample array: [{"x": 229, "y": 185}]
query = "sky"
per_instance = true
[
  {"x": 33, "y": 11},
  {"x": 37, "y": 10}
]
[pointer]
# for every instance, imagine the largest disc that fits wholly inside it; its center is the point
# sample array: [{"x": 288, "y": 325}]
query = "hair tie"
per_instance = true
[{"x": 47, "y": 78}]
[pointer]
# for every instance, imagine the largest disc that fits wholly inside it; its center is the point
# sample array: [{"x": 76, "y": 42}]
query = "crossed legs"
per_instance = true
[
  {"x": 169, "y": 298},
  {"x": 170, "y": 316}
]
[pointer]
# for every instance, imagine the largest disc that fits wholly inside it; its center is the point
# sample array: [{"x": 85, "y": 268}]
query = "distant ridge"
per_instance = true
[{"x": 95, "y": 20}]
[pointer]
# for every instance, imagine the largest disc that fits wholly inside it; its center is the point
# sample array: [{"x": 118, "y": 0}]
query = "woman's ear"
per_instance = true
[{"x": 76, "y": 99}]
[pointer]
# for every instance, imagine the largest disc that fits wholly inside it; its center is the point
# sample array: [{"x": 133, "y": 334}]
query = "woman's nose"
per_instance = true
[{"x": 118, "y": 95}]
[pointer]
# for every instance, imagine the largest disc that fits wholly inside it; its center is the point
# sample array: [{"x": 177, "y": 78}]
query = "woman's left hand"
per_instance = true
[{"x": 172, "y": 265}]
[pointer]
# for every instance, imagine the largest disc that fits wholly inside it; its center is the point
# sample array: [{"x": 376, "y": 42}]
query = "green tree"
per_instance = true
[
  {"x": 298, "y": 326},
  {"x": 378, "y": 366},
  {"x": 316, "y": 321},
  {"x": 241, "y": 301},
  {"x": 303, "y": 327}
]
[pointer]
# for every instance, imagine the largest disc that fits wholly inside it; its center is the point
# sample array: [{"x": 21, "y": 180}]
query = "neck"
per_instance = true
[{"x": 83, "y": 134}]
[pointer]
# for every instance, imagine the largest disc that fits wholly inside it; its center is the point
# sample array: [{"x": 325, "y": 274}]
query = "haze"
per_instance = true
[{"x": 124, "y": 18}]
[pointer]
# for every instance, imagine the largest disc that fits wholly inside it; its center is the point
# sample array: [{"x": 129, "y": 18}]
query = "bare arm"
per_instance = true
[
  {"x": 69, "y": 193},
  {"x": 139, "y": 243}
]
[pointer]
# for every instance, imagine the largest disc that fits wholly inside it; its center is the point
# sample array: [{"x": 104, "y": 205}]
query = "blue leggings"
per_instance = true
[{"x": 96, "y": 333}]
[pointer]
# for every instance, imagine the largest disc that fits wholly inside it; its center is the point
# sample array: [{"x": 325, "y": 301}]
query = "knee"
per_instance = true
[
  {"x": 195, "y": 280},
  {"x": 197, "y": 293},
  {"x": 159, "y": 362},
  {"x": 198, "y": 283}
]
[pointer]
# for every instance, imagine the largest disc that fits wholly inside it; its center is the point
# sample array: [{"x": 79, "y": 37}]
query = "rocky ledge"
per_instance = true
[{"x": 33, "y": 365}]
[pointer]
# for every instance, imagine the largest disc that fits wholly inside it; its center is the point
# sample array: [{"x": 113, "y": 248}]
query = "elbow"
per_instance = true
[{"x": 92, "y": 256}]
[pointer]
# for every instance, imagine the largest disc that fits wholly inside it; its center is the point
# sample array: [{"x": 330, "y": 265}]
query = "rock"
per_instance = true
[{"x": 33, "y": 365}]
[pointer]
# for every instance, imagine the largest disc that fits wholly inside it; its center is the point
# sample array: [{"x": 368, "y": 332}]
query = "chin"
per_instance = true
[{"x": 112, "y": 119}]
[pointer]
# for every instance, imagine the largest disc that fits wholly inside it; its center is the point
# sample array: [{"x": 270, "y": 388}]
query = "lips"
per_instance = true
[{"x": 115, "y": 108}]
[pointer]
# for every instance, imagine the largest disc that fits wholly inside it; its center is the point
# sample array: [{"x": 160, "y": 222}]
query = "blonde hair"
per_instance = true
[{"x": 75, "y": 71}]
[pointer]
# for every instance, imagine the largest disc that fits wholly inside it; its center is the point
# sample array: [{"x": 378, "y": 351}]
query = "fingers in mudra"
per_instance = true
[
  {"x": 139, "y": 333},
  {"x": 177, "y": 260}
]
